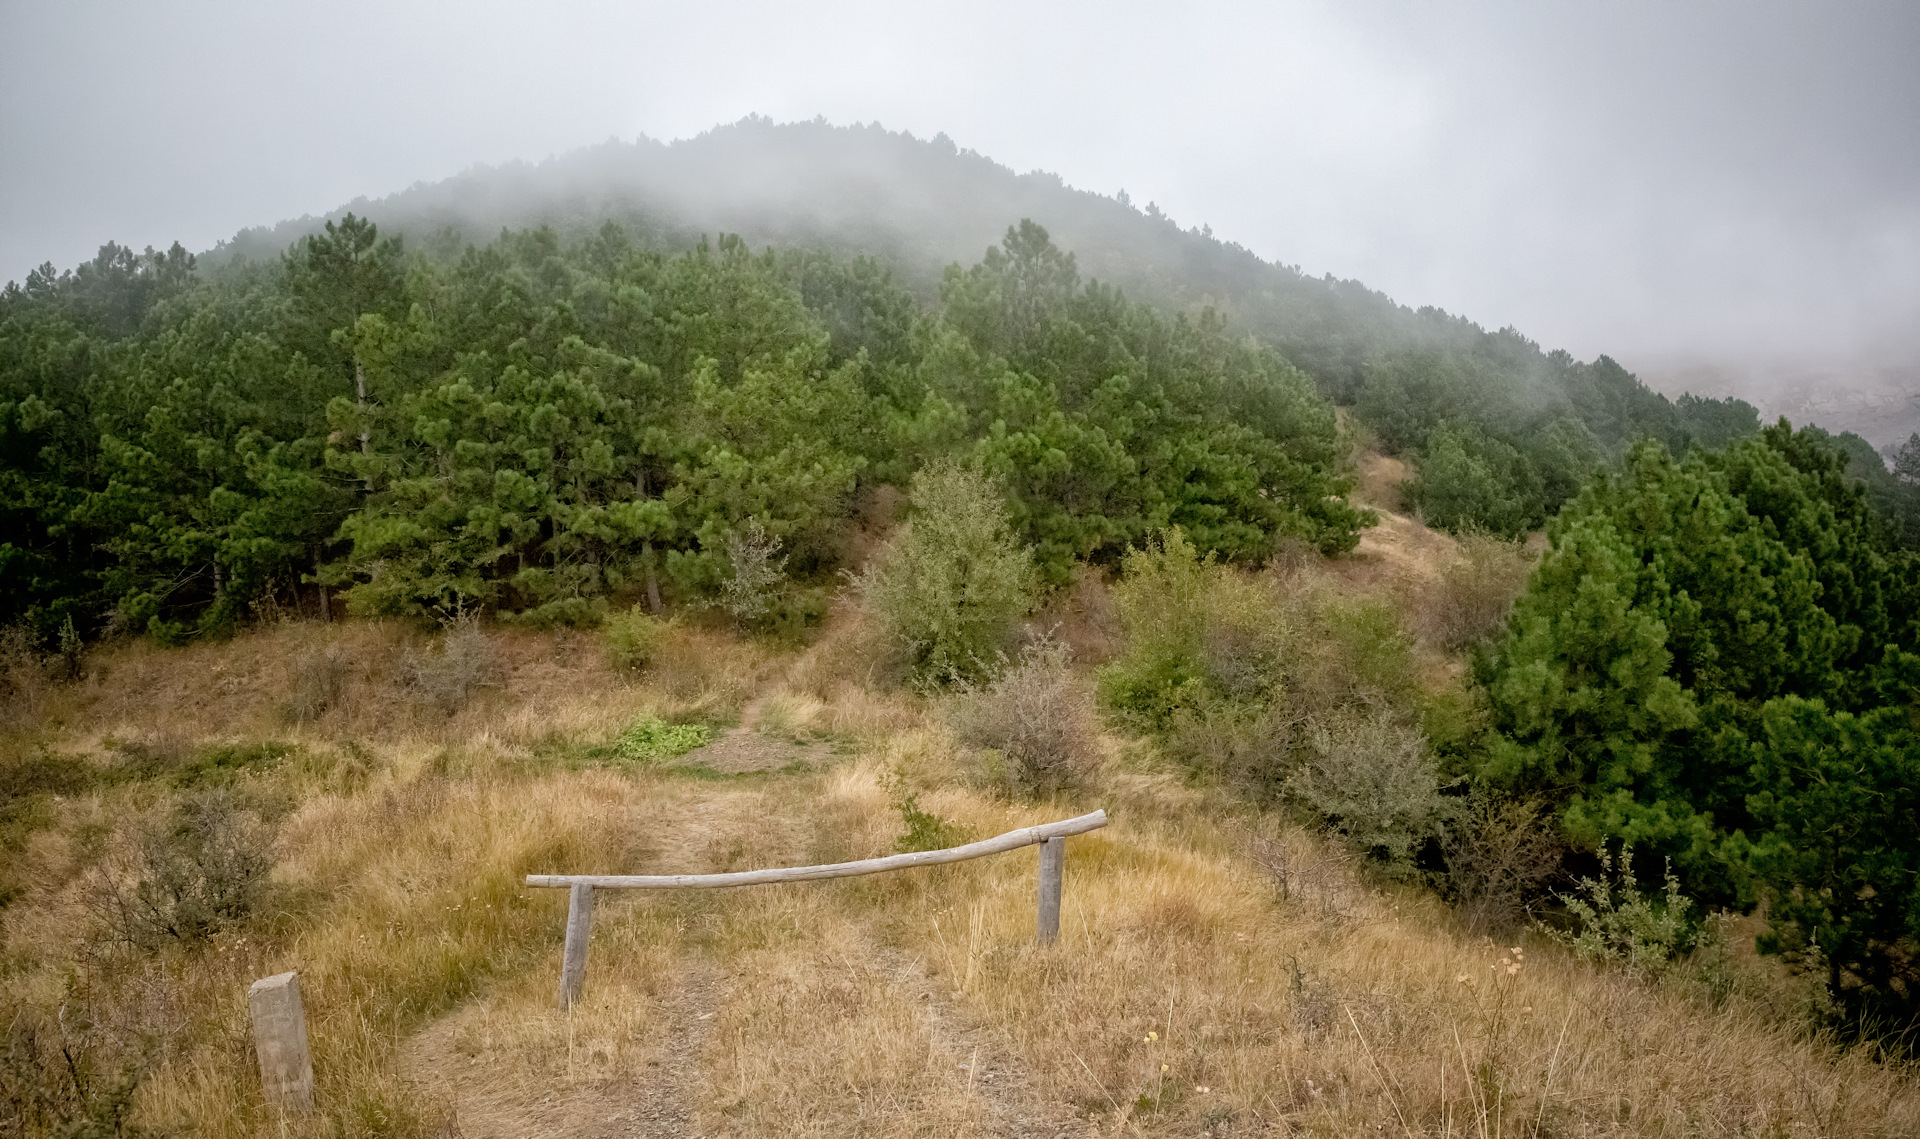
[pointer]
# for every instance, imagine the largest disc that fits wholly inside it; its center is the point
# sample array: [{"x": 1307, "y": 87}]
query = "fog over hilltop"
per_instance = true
[{"x": 1716, "y": 194}]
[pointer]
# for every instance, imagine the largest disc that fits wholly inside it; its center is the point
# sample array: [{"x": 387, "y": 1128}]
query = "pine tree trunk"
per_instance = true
[
  {"x": 366, "y": 432},
  {"x": 653, "y": 581}
]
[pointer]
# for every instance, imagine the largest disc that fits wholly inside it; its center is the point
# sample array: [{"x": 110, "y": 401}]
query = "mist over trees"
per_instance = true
[{"x": 1532, "y": 424}]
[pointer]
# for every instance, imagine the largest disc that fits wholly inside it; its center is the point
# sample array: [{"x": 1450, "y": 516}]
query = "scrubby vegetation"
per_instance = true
[{"x": 1286, "y": 911}]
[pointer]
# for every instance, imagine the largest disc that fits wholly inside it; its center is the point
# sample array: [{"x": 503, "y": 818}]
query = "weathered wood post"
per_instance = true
[
  {"x": 1053, "y": 862},
  {"x": 280, "y": 1038},
  {"x": 573, "y": 962}
]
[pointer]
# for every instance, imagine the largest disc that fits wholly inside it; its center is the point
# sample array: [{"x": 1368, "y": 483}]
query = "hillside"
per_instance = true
[
  {"x": 1494, "y": 746},
  {"x": 1222, "y": 970},
  {"x": 1528, "y": 421}
]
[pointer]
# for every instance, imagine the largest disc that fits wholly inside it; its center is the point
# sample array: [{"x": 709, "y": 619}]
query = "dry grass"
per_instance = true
[{"x": 1191, "y": 992}]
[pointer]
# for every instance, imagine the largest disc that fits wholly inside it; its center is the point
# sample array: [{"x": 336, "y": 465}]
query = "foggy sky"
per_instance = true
[{"x": 1733, "y": 183}]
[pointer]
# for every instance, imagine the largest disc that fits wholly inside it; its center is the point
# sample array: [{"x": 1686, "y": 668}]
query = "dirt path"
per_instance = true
[
  {"x": 663, "y": 1107},
  {"x": 477, "y": 1091},
  {"x": 1015, "y": 1107},
  {"x": 746, "y": 748}
]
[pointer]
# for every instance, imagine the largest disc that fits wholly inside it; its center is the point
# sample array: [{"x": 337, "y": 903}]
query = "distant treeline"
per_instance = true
[{"x": 532, "y": 428}]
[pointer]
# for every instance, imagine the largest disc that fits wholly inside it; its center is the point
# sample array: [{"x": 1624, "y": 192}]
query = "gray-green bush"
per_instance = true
[
  {"x": 1373, "y": 780},
  {"x": 1475, "y": 590},
  {"x": 198, "y": 871},
  {"x": 447, "y": 675},
  {"x": 1036, "y": 718},
  {"x": 1615, "y": 923}
]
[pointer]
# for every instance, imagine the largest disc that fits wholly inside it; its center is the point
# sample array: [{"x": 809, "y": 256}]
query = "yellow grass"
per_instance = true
[{"x": 1188, "y": 993}]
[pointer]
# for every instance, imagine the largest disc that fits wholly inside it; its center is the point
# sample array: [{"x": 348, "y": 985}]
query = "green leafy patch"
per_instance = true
[{"x": 652, "y": 740}]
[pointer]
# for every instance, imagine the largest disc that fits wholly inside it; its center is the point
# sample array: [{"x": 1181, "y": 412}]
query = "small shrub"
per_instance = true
[
  {"x": 1200, "y": 637},
  {"x": 1038, "y": 716},
  {"x": 1617, "y": 924},
  {"x": 448, "y": 675},
  {"x": 202, "y": 870},
  {"x": 921, "y": 830},
  {"x": 1498, "y": 854},
  {"x": 62, "y": 1076},
  {"x": 72, "y": 648},
  {"x": 1161, "y": 600},
  {"x": 319, "y": 683},
  {"x": 1475, "y": 590},
  {"x": 561, "y": 613},
  {"x": 1254, "y": 747},
  {"x": 651, "y": 740},
  {"x": 1373, "y": 780},
  {"x": 632, "y": 638},
  {"x": 753, "y": 572},
  {"x": 220, "y": 764},
  {"x": 953, "y": 584}
]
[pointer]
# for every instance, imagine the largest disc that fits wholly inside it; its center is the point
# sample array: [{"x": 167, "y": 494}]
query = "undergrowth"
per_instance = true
[{"x": 650, "y": 740}]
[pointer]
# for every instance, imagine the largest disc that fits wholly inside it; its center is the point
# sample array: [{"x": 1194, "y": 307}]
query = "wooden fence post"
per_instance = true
[
  {"x": 280, "y": 1039},
  {"x": 573, "y": 962},
  {"x": 1053, "y": 861}
]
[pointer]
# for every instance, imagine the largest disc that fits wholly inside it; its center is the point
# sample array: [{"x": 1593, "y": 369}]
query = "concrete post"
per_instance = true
[{"x": 280, "y": 1038}]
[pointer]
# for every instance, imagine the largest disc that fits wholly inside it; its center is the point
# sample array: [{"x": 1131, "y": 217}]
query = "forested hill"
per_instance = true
[
  {"x": 521, "y": 387},
  {"x": 918, "y": 206},
  {"x": 1517, "y": 426}
]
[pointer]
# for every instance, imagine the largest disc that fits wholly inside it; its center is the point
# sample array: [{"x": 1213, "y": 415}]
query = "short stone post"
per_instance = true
[
  {"x": 1053, "y": 862},
  {"x": 280, "y": 1038},
  {"x": 573, "y": 960}
]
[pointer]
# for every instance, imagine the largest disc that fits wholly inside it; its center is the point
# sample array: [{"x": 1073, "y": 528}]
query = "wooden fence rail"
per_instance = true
[{"x": 1050, "y": 837}]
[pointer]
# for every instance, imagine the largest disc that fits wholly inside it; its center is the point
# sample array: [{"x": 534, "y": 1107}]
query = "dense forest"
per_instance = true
[
  {"x": 531, "y": 427},
  {"x": 1718, "y": 661}
]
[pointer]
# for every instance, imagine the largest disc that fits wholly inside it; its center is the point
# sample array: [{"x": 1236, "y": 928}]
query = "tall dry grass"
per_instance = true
[{"x": 1204, "y": 983}]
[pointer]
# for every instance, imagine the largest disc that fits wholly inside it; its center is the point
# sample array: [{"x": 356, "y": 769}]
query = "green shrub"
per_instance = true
[
  {"x": 650, "y": 740},
  {"x": 1617, "y": 924},
  {"x": 921, "y": 830},
  {"x": 1197, "y": 633},
  {"x": 560, "y": 613},
  {"x": 632, "y": 638},
  {"x": 953, "y": 584},
  {"x": 1236, "y": 672}
]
